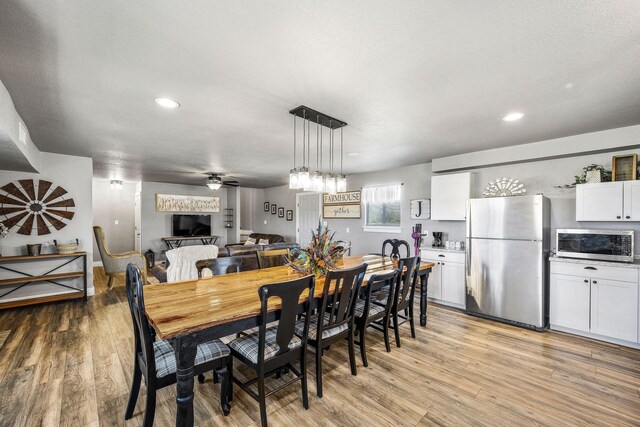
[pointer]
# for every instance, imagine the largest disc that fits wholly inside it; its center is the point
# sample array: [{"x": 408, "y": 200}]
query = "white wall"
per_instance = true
[
  {"x": 156, "y": 225},
  {"x": 111, "y": 205},
  {"x": 74, "y": 174}
]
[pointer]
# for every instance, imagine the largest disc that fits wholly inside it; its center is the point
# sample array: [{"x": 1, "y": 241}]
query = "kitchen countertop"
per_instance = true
[
  {"x": 635, "y": 264},
  {"x": 454, "y": 251}
]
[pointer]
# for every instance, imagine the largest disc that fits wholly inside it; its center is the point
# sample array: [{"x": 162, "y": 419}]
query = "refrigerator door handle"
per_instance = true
[{"x": 468, "y": 260}]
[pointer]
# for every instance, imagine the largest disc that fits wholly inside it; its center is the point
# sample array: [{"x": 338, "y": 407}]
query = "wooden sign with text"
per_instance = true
[{"x": 341, "y": 205}]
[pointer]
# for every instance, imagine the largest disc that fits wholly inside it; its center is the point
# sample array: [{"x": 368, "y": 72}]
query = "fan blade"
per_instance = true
[
  {"x": 4, "y": 211},
  {"x": 62, "y": 214},
  {"x": 42, "y": 226},
  {"x": 62, "y": 204},
  {"x": 43, "y": 187},
  {"x": 10, "y": 222},
  {"x": 27, "y": 226},
  {"x": 54, "y": 221},
  {"x": 15, "y": 192},
  {"x": 231, "y": 183},
  {"x": 6, "y": 200},
  {"x": 59, "y": 191},
  {"x": 28, "y": 187}
]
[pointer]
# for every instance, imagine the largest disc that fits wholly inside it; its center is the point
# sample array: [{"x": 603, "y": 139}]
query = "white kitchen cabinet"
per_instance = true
[
  {"x": 447, "y": 278},
  {"x": 449, "y": 195},
  {"x": 614, "y": 309},
  {"x": 453, "y": 286},
  {"x": 608, "y": 201},
  {"x": 569, "y": 301},
  {"x": 596, "y": 300}
]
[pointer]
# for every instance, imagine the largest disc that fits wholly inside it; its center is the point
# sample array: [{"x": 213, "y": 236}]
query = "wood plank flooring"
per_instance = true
[{"x": 70, "y": 364}]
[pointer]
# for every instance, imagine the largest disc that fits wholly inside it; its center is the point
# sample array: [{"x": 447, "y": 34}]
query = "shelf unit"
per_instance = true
[
  {"x": 50, "y": 276},
  {"x": 228, "y": 217}
]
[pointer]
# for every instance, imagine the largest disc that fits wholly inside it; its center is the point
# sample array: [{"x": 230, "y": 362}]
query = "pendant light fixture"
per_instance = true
[{"x": 301, "y": 178}]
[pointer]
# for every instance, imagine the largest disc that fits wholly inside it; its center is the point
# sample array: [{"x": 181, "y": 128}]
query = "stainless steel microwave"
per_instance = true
[{"x": 605, "y": 245}]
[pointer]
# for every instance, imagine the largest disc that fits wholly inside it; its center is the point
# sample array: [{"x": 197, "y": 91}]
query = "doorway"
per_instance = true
[{"x": 308, "y": 213}]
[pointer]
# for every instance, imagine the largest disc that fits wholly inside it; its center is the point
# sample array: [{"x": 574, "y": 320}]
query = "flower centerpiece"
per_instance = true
[{"x": 322, "y": 254}]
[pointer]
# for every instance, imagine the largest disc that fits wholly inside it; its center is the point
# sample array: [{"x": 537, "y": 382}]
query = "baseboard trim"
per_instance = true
[
  {"x": 97, "y": 263},
  {"x": 594, "y": 336}
]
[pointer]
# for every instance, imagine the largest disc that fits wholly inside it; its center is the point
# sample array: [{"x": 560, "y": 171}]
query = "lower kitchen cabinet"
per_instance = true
[
  {"x": 569, "y": 301},
  {"x": 591, "y": 300},
  {"x": 447, "y": 278}
]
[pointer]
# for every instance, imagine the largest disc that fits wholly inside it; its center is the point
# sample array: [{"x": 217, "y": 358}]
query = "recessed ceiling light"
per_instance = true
[
  {"x": 167, "y": 103},
  {"x": 353, "y": 154},
  {"x": 512, "y": 117}
]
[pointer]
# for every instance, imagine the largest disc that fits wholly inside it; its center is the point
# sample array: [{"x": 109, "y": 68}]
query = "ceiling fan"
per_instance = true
[{"x": 214, "y": 182}]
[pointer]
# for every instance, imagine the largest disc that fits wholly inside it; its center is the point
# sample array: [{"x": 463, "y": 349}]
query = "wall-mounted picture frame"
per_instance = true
[
  {"x": 289, "y": 215},
  {"x": 266, "y": 206},
  {"x": 273, "y": 209},
  {"x": 344, "y": 205},
  {"x": 280, "y": 212},
  {"x": 624, "y": 168},
  {"x": 180, "y": 203}
]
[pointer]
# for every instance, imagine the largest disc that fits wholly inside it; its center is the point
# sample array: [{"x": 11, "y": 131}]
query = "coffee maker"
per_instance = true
[{"x": 437, "y": 239}]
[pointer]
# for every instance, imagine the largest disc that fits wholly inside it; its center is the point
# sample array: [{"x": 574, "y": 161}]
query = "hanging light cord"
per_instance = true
[
  {"x": 341, "y": 155},
  {"x": 304, "y": 147},
  {"x": 294, "y": 141}
]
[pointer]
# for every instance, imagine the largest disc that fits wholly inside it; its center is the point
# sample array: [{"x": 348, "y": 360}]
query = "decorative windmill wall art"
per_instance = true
[
  {"x": 35, "y": 206},
  {"x": 504, "y": 187}
]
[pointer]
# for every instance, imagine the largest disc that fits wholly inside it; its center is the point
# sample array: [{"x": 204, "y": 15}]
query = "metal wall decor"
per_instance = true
[
  {"x": 420, "y": 209},
  {"x": 504, "y": 187},
  {"x": 179, "y": 203},
  {"x": 35, "y": 206}
]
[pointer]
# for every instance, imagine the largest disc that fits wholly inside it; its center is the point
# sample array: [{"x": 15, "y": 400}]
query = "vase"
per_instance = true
[{"x": 593, "y": 176}]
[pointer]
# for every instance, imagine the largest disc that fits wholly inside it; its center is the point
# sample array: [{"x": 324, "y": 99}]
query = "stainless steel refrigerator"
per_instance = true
[{"x": 506, "y": 266}]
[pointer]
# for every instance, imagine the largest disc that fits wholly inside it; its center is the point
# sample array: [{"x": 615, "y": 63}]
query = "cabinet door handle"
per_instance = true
[
  {"x": 586, "y": 281},
  {"x": 590, "y": 268},
  {"x": 627, "y": 217},
  {"x": 441, "y": 256},
  {"x": 443, "y": 263},
  {"x": 595, "y": 282},
  {"x": 618, "y": 217}
]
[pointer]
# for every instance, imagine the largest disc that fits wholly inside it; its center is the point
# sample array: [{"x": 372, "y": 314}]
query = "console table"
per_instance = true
[
  {"x": 50, "y": 276},
  {"x": 176, "y": 242}
]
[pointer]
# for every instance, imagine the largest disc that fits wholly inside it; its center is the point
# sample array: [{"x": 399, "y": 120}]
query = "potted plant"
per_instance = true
[
  {"x": 322, "y": 254},
  {"x": 593, "y": 173}
]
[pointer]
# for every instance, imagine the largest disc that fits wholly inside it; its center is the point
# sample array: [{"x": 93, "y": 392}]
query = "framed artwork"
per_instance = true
[
  {"x": 179, "y": 203},
  {"x": 280, "y": 212},
  {"x": 341, "y": 205},
  {"x": 266, "y": 206},
  {"x": 624, "y": 167},
  {"x": 273, "y": 209},
  {"x": 289, "y": 215}
]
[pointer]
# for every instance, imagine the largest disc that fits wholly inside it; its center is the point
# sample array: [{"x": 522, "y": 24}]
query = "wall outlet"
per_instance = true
[
  {"x": 324, "y": 223},
  {"x": 265, "y": 222},
  {"x": 116, "y": 222},
  {"x": 347, "y": 230}
]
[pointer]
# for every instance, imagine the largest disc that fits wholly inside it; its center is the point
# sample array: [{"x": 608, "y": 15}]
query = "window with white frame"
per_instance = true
[{"x": 382, "y": 208}]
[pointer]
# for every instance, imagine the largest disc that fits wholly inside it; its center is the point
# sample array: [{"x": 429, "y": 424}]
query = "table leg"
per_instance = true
[
  {"x": 185, "y": 351},
  {"x": 424, "y": 279}
]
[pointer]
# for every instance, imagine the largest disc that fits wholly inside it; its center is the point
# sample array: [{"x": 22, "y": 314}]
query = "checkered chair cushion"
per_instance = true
[
  {"x": 313, "y": 328},
  {"x": 380, "y": 297},
  {"x": 373, "y": 308},
  {"x": 247, "y": 345},
  {"x": 166, "y": 360}
]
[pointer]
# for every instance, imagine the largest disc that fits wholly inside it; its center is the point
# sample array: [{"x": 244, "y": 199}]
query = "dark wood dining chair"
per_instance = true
[
  {"x": 273, "y": 348},
  {"x": 403, "y": 296},
  {"x": 370, "y": 313},
  {"x": 395, "y": 244},
  {"x": 273, "y": 258},
  {"x": 155, "y": 360},
  {"x": 334, "y": 320},
  {"x": 218, "y": 266}
]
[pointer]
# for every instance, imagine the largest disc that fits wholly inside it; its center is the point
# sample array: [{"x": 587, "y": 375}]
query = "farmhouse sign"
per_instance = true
[
  {"x": 179, "y": 203},
  {"x": 341, "y": 205}
]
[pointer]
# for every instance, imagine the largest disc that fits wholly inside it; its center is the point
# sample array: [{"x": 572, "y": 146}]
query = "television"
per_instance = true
[{"x": 191, "y": 225}]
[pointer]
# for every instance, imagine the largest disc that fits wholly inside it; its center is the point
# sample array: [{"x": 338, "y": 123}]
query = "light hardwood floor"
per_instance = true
[{"x": 70, "y": 364}]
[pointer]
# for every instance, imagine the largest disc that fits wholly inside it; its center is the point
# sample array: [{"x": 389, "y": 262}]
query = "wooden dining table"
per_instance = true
[{"x": 192, "y": 312}]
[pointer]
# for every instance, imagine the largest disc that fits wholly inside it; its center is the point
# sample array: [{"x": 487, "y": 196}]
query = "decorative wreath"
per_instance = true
[{"x": 32, "y": 206}]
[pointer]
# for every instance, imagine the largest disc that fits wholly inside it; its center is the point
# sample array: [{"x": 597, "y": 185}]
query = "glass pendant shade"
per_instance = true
[
  {"x": 341, "y": 184},
  {"x": 293, "y": 179},
  {"x": 317, "y": 183},
  {"x": 330, "y": 184},
  {"x": 304, "y": 181}
]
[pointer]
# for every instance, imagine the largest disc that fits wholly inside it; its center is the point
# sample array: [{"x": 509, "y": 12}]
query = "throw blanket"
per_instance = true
[{"x": 182, "y": 261}]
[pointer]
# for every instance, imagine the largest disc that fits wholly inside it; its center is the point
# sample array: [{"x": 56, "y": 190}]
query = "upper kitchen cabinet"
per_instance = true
[
  {"x": 449, "y": 195},
  {"x": 608, "y": 201}
]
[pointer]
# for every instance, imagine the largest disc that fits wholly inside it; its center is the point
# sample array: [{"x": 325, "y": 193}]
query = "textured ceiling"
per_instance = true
[{"x": 415, "y": 80}]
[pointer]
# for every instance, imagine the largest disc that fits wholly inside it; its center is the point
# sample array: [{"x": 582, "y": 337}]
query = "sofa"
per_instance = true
[
  {"x": 249, "y": 253},
  {"x": 272, "y": 238}
]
